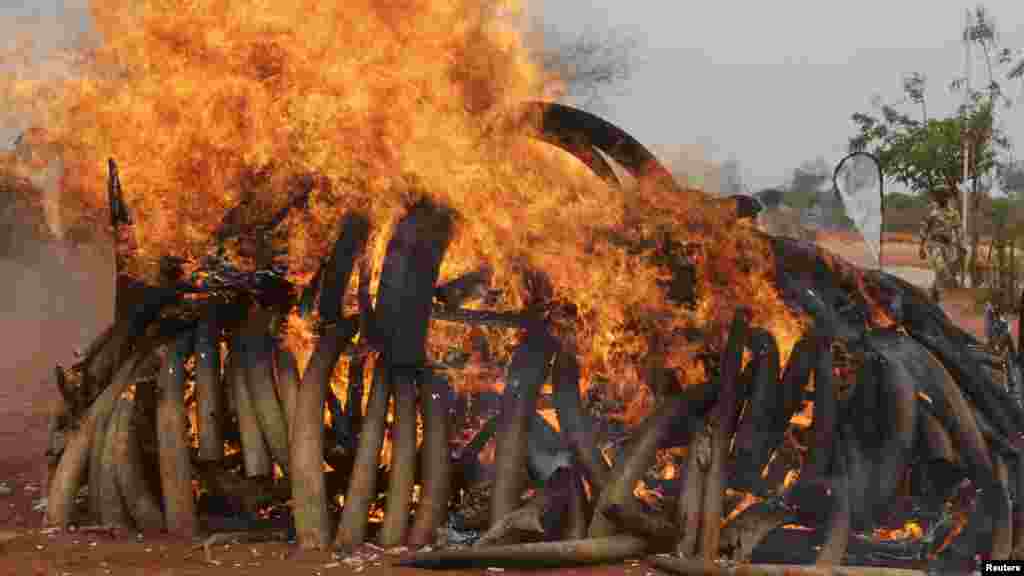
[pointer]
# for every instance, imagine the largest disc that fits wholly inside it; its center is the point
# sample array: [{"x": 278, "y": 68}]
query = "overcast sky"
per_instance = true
[
  {"x": 50, "y": 22},
  {"x": 773, "y": 84},
  {"x": 770, "y": 84}
]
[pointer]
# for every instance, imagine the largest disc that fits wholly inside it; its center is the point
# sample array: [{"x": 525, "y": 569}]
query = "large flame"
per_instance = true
[{"x": 206, "y": 103}]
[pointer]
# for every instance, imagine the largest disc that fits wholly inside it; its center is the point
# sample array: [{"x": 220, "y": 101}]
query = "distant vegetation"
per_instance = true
[
  {"x": 904, "y": 212},
  {"x": 961, "y": 153}
]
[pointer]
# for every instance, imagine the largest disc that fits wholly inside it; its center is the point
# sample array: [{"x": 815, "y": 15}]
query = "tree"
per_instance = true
[
  {"x": 948, "y": 152},
  {"x": 586, "y": 65},
  {"x": 1000, "y": 62},
  {"x": 981, "y": 31},
  {"x": 929, "y": 154},
  {"x": 1016, "y": 67},
  {"x": 926, "y": 156},
  {"x": 914, "y": 86}
]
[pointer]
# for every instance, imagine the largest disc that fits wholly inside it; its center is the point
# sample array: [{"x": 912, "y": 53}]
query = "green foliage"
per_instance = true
[
  {"x": 899, "y": 201},
  {"x": 999, "y": 211},
  {"x": 927, "y": 157},
  {"x": 1005, "y": 214}
]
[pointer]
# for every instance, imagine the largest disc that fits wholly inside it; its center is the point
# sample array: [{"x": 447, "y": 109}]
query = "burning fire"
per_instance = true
[
  {"x": 791, "y": 477},
  {"x": 210, "y": 103},
  {"x": 550, "y": 416},
  {"x": 488, "y": 453},
  {"x": 745, "y": 502},
  {"x": 649, "y": 496},
  {"x": 910, "y": 529},
  {"x": 959, "y": 523},
  {"x": 805, "y": 416}
]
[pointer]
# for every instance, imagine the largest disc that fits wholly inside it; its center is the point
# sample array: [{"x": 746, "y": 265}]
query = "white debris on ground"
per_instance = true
[
  {"x": 365, "y": 556},
  {"x": 449, "y": 536}
]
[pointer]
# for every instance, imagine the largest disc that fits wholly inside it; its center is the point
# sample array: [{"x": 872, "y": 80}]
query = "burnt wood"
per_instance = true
[
  {"x": 574, "y": 424},
  {"x": 526, "y": 373},
  {"x": 722, "y": 427},
  {"x": 764, "y": 404}
]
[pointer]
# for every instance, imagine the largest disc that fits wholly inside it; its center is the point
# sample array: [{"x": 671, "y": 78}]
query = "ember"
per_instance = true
[{"x": 343, "y": 235}]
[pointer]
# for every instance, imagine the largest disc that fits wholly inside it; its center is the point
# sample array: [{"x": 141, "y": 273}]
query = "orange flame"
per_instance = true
[
  {"x": 805, "y": 417},
  {"x": 791, "y": 477},
  {"x": 910, "y": 529},
  {"x": 550, "y": 417},
  {"x": 747, "y": 501},
  {"x": 959, "y": 523},
  {"x": 669, "y": 472},
  {"x": 488, "y": 453},
  {"x": 651, "y": 497},
  {"x": 207, "y": 103}
]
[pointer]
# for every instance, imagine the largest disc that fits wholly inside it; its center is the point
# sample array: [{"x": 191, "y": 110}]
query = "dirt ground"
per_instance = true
[
  {"x": 69, "y": 555},
  {"x": 54, "y": 302}
]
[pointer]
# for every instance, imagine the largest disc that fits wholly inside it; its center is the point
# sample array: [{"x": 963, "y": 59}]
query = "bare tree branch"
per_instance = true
[{"x": 587, "y": 64}]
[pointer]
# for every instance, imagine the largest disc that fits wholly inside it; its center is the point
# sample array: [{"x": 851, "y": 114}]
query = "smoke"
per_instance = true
[
  {"x": 54, "y": 297},
  {"x": 48, "y": 180},
  {"x": 39, "y": 38},
  {"x": 201, "y": 103},
  {"x": 691, "y": 166}
]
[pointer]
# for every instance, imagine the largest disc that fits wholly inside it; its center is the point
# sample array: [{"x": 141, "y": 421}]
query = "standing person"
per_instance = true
[
  {"x": 941, "y": 244},
  {"x": 1000, "y": 344}
]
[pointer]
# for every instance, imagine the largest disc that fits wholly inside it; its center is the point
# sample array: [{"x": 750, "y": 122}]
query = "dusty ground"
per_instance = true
[
  {"x": 50, "y": 306},
  {"x": 67, "y": 554}
]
